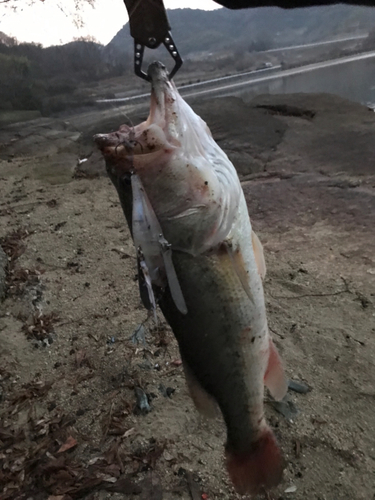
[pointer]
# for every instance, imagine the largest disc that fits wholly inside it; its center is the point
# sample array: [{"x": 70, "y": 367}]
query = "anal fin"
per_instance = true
[
  {"x": 274, "y": 377},
  {"x": 204, "y": 403}
]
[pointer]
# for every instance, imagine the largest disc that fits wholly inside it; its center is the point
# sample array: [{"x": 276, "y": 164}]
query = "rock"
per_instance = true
[
  {"x": 248, "y": 135},
  {"x": 325, "y": 133},
  {"x": 92, "y": 167}
]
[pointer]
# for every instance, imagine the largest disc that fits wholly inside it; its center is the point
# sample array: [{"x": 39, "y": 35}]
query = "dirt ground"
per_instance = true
[{"x": 78, "y": 354}]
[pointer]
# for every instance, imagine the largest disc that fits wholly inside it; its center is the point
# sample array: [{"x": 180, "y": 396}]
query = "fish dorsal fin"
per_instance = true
[
  {"x": 259, "y": 255},
  {"x": 274, "y": 377}
]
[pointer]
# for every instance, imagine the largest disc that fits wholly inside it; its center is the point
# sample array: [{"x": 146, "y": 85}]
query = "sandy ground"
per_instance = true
[{"x": 71, "y": 363}]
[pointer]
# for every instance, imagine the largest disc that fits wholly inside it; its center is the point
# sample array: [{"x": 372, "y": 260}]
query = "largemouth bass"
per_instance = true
[{"x": 203, "y": 265}]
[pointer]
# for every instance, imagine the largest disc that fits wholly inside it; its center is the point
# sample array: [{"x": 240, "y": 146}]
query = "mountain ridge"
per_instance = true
[{"x": 196, "y": 30}]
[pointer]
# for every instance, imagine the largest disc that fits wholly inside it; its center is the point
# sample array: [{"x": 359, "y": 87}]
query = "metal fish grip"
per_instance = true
[
  {"x": 149, "y": 26},
  {"x": 169, "y": 45}
]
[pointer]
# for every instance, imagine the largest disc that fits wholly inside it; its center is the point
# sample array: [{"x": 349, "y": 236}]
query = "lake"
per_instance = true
[{"x": 354, "y": 80}]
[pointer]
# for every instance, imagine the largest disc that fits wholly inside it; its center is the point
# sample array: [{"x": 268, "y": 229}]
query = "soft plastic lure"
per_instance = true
[{"x": 157, "y": 264}]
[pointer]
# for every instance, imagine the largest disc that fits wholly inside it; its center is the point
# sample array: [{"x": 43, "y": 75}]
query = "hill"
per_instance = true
[
  {"x": 195, "y": 31},
  {"x": 212, "y": 44}
]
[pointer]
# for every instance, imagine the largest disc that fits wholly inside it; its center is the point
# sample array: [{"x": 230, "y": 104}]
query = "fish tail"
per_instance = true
[{"x": 260, "y": 468}]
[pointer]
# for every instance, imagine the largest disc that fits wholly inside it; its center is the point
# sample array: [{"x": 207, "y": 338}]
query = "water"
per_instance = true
[
  {"x": 351, "y": 78},
  {"x": 354, "y": 80}
]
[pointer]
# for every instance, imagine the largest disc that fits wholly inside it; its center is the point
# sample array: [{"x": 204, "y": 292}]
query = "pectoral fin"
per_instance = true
[
  {"x": 259, "y": 255},
  {"x": 274, "y": 377}
]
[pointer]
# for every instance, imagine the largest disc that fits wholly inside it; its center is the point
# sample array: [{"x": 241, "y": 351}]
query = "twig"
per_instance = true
[
  {"x": 347, "y": 336},
  {"x": 22, "y": 205},
  {"x": 267, "y": 175},
  {"x": 194, "y": 489},
  {"x": 199, "y": 447},
  {"x": 276, "y": 333},
  {"x": 123, "y": 253},
  {"x": 172, "y": 370},
  {"x": 328, "y": 294},
  {"x": 109, "y": 423}
]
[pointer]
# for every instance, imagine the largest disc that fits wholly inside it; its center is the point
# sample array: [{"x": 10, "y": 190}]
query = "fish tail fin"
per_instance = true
[{"x": 260, "y": 468}]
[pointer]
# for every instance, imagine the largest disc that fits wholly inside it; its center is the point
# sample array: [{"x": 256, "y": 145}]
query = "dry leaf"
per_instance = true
[
  {"x": 69, "y": 443},
  {"x": 151, "y": 488},
  {"x": 125, "y": 486},
  {"x": 129, "y": 432}
]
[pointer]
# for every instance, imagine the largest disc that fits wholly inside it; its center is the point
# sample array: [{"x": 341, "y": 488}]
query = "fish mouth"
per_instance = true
[
  {"x": 157, "y": 134},
  {"x": 164, "y": 99},
  {"x": 160, "y": 83}
]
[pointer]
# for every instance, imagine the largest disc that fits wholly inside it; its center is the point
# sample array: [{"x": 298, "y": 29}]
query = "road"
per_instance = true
[
  {"x": 317, "y": 44},
  {"x": 195, "y": 85},
  {"x": 285, "y": 73},
  {"x": 227, "y": 84}
]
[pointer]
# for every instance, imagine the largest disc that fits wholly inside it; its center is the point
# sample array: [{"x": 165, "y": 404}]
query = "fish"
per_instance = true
[{"x": 205, "y": 267}]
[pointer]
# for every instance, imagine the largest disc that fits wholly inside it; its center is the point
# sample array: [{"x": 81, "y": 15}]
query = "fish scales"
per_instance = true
[
  {"x": 213, "y": 340},
  {"x": 195, "y": 197}
]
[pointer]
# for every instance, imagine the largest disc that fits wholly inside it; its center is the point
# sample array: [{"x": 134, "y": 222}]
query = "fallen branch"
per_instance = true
[
  {"x": 267, "y": 175},
  {"x": 328, "y": 294},
  {"x": 276, "y": 333}
]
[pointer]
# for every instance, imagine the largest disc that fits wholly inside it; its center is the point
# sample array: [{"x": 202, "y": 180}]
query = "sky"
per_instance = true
[{"x": 51, "y": 22}]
